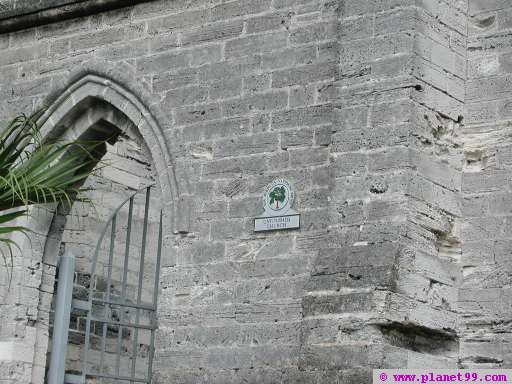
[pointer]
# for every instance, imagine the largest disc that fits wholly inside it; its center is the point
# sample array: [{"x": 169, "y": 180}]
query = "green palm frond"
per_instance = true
[
  {"x": 33, "y": 171},
  {"x": 8, "y": 243}
]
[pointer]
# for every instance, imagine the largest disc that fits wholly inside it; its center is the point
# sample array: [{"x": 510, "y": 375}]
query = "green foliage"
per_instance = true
[
  {"x": 33, "y": 171},
  {"x": 278, "y": 195}
]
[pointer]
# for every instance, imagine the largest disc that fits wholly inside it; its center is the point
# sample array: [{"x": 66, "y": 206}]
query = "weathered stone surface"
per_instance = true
[{"x": 389, "y": 118}]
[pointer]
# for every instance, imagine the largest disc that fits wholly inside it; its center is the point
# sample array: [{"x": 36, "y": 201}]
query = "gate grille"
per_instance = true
[{"x": 120, "y": 324}]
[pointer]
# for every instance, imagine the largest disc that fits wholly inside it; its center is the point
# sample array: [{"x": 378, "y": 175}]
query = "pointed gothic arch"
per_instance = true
[
  {"x": 115, "y": 104},
  {"x": 96, "y": 99}
]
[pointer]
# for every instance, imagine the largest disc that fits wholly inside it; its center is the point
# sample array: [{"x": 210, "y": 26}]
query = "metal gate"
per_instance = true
[{"x": 116, "y": 316}]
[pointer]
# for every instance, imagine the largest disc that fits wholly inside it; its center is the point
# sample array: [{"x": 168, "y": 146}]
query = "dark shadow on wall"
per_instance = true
[{"x": 28, "y": 13}]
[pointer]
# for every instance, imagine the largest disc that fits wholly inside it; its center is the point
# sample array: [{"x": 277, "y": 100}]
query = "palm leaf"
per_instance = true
[
  {"x": 11, "y": 216},
  {"x": 4, "y": 230},
  {"x": 37, "y": 172}
]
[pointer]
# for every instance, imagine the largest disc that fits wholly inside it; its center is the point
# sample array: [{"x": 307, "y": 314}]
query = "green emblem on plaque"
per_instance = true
[
  {"x": 277, "y": 203},
  {"x": 277, "y": 195}
]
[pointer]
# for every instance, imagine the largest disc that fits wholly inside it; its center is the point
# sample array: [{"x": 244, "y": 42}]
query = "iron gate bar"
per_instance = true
[
  {"x": 125, "y": 324},
  {"x": 62, "y": 315},
  {"x": 146, "y": 307},
  {"x": 73, "y": 379},
  {"x": 141, "y": 275},
  {"x": 81, "y": 305},
  {"x": 125, "y": 277},
  {"x": 155, "y": 300},
  {"x": 109, "y": 277},
  {"x": 124, "y": 378},
  {"x": 86, "y": 346}
]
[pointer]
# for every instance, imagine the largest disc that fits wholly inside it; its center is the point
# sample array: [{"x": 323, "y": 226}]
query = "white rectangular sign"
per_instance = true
[{"x": 276, "y": 222}]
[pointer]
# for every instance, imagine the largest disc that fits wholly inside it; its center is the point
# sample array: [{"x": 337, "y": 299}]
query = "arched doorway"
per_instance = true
[{"x": 134, "y": 157}]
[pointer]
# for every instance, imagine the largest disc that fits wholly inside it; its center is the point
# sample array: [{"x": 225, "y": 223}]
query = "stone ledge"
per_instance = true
[{"x": 20, "y": 14}]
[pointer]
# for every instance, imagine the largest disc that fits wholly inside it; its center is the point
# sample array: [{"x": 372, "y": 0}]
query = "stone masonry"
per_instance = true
[{"x": 391, "y": 120}]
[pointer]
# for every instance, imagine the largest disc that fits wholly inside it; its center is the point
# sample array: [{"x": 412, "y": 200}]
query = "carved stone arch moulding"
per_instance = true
[{"x": 122, "y": 108}]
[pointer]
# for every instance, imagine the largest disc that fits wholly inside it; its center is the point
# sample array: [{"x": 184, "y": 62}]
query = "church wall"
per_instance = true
[
  {"x": 484, "y": 294},
  {"x": 368, "y": 108}
]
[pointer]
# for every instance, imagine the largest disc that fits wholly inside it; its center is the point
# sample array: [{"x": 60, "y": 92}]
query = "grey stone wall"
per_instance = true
[
  {"x": 24, "y": 329},
  {"x": 390, "y": 120},
  {"x": 484, "y": 296}
]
